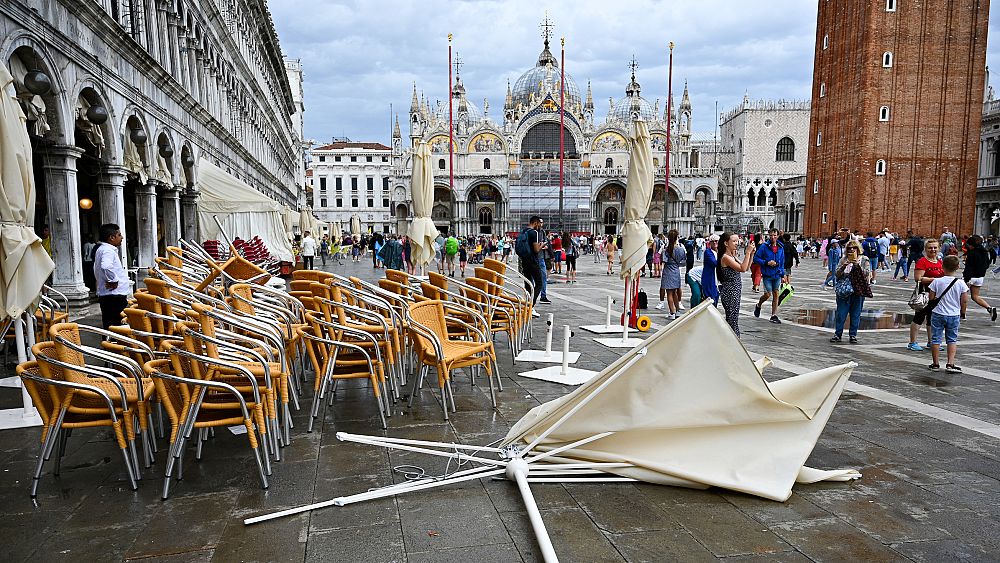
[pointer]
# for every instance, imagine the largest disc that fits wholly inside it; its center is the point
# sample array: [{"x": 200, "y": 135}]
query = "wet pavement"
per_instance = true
[{"x": 928, "y": 444}]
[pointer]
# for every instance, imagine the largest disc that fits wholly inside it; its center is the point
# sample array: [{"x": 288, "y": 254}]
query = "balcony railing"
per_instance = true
[{"x": 991, "y": 182}]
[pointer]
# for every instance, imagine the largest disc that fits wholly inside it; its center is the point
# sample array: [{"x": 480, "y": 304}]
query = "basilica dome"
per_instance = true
[
  {"x": 622, "y": 110},
  {"x": 544, "y": 78}
]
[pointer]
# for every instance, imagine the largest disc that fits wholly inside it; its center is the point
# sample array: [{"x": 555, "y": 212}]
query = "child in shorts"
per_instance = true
[
  {"x": 953, "y": 298},
  {"x": 463, "y": 258}
]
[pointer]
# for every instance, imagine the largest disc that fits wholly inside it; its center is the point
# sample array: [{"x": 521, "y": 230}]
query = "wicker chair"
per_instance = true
[{"x": 435, "y": 348}]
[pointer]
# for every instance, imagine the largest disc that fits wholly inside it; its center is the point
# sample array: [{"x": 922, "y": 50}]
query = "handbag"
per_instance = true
[
  {"x": 844, "y": 288},
  {"x": 785, "y": 293},
  {"x": 918, "y": 299},
  {"x": 922, "y": 314}
]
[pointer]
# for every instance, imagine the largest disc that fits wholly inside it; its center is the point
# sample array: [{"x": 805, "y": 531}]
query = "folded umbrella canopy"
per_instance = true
[
  {"x": 638, "y": 193},
  {"x": 687, "y": 407},
  {"x": 356, "y": 225},
  {"x": 422, "y": 231},
  {"x": 24, "y": 263}
]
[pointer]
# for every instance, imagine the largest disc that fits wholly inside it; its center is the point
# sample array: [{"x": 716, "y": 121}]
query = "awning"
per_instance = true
[{"x": 243, "y": 211}]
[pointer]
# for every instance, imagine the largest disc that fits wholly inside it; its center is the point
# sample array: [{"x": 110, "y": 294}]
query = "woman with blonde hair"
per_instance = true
[
  {"x": 926, "y": 270},
  {"x": 610, "y": 249},
  {"x": 852, "y": 285}
]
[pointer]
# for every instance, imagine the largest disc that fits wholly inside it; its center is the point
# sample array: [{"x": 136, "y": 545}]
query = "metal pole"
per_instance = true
[
  {"x": 562, "y": 130},
  {"x": 666, "y": 157},
  {"x": 517, "y": 471},
  {"x": 451, "y": 136}
]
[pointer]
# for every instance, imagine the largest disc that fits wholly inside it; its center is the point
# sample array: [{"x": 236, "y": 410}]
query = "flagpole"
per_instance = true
[
  {"x": 451, "y": 133},
  {"x": 562, "y": 129},
  {"x": 666, "y": 157}
]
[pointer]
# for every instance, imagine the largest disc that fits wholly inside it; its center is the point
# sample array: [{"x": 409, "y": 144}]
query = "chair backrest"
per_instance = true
[
  {"x": 397, "y": 276},
  {"x": 43, "y": 397},
  {"x": 308, "y": 275},
  {"x": 244, "y": 305},
  {"x": 437, "y": 279},
  {"x": 394, "y": 286},
  {"x": 71, "y": 333},
  {"x": 430, "y": 315},
  {"x": 431, "y": 291},
  {"x": 495, "y": 265}
]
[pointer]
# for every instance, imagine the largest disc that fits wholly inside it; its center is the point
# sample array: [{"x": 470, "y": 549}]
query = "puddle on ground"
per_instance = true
[
  {"x": 871, "y": 319},
  {"x": 932, "y": 381}
]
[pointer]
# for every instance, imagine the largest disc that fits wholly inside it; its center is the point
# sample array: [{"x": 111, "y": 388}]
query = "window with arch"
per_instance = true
[
  {"x": 826, "y": 41},
  {"x": 486, "y": 163},
  {"x": 822, "y": 89},
  {"x": 887, "y": 59},
  {"x": 485, "y": 220},
  {"x": 441, "y": 165},
  {"x": 880, "y": 167},
  {"x": 824, "y": 218},
  {"x": 785, "y": 151},
  {"x": 819, "y": 138},
  {"x": 883, "y": 113},
  {"x": 772, "y": 198},
  {"x": 890, "y": 5},
  {"x": 609, "y": 163},
  {"x": 815, "y": 186},
  {"x": 610, "y": 220}
]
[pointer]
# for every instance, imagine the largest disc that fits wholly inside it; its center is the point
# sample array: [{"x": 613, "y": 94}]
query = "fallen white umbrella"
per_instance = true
[
  {"x": 562, "y": 373},
  {"x": 548, "y": 355},
  {"x": 688, "y": 407}
]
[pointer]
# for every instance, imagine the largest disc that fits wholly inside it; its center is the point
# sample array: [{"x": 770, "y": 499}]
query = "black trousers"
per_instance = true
[
  {"x": 111, "y": 309},
  {"x": 307, "y": 262},
  {"x": 532, "y": 271}
]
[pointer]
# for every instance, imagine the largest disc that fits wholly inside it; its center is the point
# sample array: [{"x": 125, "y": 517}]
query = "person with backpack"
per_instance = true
[
  {"x": 572, "y": 250},
  {"x": 324, "y": 248},
  {"x": 870, "y": 247},
  {"x": 529, "y": 245},
  {"x": 450, "y": 251}
]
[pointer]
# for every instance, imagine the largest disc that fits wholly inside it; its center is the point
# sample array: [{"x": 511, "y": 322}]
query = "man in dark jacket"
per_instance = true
[
  {"x": 771, "y": 258},
  {"x": 976, "y": 264}
]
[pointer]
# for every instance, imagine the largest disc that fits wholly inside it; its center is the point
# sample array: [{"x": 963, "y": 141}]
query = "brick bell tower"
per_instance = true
[{"x": 896, "y": 108}]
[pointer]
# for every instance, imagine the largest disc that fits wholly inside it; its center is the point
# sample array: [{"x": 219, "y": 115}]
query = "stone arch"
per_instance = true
[
  {"x": 188, "y": 165},
  {"x": 93, "y": 93},
  {"x": 164, "y": 146},
  {"x": 132, "y": 116},
  {"x": 469, "y": 193},
  {"x": 571, "y": 128},
  {"x": 32, "y": 53}
]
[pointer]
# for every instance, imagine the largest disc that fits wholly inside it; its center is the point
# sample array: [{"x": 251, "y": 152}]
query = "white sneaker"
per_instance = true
[
  {"x": 680, "y": 307},
  {"x": 535, "y": 314},
  {"x": 661, "y": 306}
]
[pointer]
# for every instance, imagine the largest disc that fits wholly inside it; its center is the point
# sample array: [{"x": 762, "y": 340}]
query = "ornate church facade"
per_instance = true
[{"x": 507, "y": 169}]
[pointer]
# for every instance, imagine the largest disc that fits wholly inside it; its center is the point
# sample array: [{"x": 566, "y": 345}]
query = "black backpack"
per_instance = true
[
  {"x": 521, "y": 246},
  {"x": 642, "y": 299}
]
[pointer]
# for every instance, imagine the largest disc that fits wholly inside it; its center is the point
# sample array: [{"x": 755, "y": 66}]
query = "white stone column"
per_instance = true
[
  {"x": 112, "y": 201},
  {"x": 145, "y": 216},
  {"x": 189, "y": 208},
  {"x": 171, "y": 215},
  {"x": 59, "y": 164}
]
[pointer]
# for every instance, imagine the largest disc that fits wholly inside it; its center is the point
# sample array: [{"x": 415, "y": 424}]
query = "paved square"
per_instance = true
[{"x": 927, "y": 443}]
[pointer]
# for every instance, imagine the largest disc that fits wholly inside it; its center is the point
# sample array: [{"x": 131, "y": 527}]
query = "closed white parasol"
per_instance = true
[
  {"x": 638, "y": 193},
  {"x": 422, "y": 231}
]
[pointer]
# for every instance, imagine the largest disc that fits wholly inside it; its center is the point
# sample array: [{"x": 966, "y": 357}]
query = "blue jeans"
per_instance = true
[
  {"x": 772, "y": 285},
  {"x": 873, "y": 260},
  {"x": 944, "y": 328},
  {"x": 849, "y": 306},
  {"x": 902, "y": 264},
  {"x": 545, "y": 276}
]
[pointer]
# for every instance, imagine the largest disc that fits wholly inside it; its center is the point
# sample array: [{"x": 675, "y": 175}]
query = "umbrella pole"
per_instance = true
[
  {"x": 627, "y": 319},
  {"x": 517, "y": 471}
]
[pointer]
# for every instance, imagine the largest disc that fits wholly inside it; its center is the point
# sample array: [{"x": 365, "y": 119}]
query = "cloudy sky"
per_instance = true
[{"x": 361, "y": 56}]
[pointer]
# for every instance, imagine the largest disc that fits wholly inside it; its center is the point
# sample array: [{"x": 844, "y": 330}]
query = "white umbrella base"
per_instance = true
[
  {"x": 619, "y": 342},
  {"x": 19, "y": 418},
  {"x": 556, "y": 374},
  {"x": 603, "y": 329},
  {"x": 550, "y": 357},
  {"x": 14, "y": 382}
]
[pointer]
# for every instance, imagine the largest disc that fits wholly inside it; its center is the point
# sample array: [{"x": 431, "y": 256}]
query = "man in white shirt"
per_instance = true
[
  {"x": 307, "y": 249},
  {"x": 110, "y": 275},
  {"x": 699, "y": 244}
]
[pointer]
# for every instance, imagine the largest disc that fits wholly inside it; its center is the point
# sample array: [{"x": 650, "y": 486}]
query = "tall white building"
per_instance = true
[
  {"x": 293, "y": 67},
  {"x": 349, "y": 179},
  {"x": 762, "y": 142}
]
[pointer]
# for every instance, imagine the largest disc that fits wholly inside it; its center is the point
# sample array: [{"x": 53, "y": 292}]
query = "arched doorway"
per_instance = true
[
  {"x": 91, "y": 132},
  {"x": 442, "y": 212},
  {"x": 401, "y": 213},
  {"x": 611, "y": 196},
  {"x": 611, "y": 221},
  {"x": 542, "y": 142},
  {"x": 486, "y": 201}
]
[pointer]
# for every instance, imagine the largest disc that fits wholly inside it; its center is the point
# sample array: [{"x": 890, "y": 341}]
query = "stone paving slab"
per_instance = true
[{"x": 930, "y": 491}]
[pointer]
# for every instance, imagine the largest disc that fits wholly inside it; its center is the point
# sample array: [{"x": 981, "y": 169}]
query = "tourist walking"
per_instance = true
[
  {"x": 977, "y": 261},
  {"x": 674, "y": 255},
  {"x": 571, "y": 248},
  {"x": 658, "y": 243},
  {"x": 307, "y": 249},
  {"x": 853, "y": 275},
  {"x": 948, "y": 298},
  {"x": 771, "y": 259},
  {"x": 926, "y": 269},
  {"x": 755, "y": 272},
  {"x": 791, "y": 256},
  {"x": 110, "y": 275},
  {"x": 610, "y": 250},
  {"x": 730, "y": 281},
  {"x": 914, "y": 251},
  {"x": 324, "y": 248}
]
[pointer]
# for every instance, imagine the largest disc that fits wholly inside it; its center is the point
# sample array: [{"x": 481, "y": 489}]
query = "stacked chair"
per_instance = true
[{"x": 207, "y": 344}]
